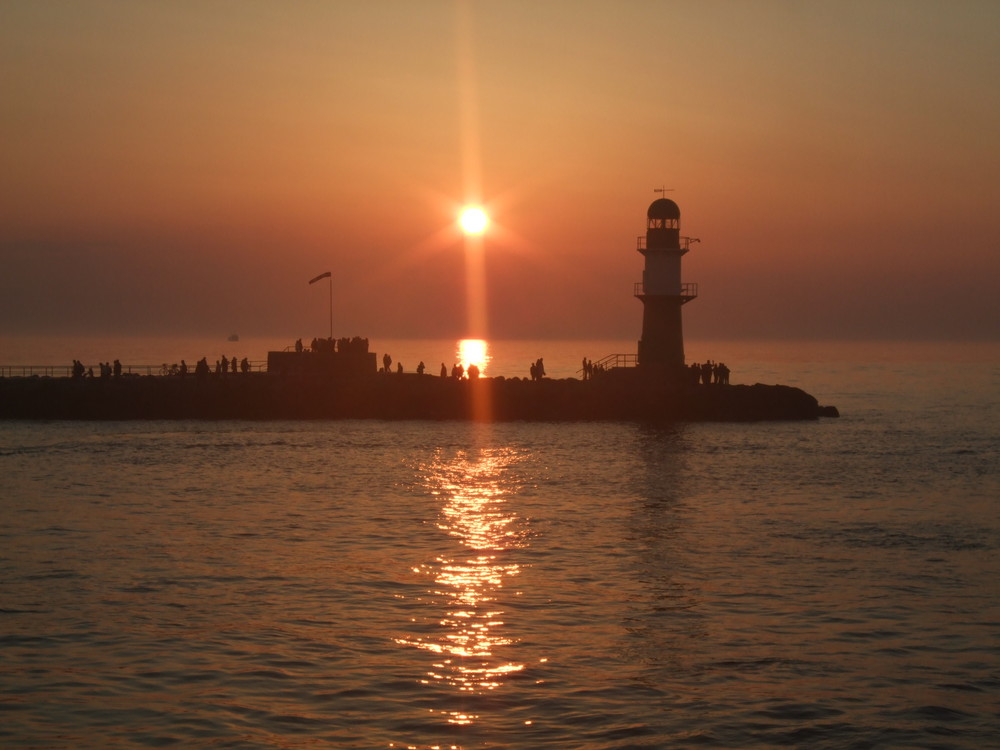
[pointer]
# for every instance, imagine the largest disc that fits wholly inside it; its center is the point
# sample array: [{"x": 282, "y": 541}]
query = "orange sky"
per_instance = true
[{"x": 187, "y": 167}]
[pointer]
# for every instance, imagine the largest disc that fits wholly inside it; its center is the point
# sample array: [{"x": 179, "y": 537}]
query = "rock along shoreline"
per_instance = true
[{"x": 405, "y": 396}]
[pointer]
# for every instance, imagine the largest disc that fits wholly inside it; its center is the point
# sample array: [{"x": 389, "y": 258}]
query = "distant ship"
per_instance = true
[{"x": 233, "y": 337}]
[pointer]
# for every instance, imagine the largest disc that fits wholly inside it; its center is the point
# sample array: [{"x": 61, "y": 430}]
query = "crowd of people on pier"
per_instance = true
[
  {"x": 343, "y": 345},
  {"x": 704, "y": 373},
  {"x": 458, "y": 371},
  {"x": 106, "y": 369},
  {"x": 589, "y": 369},
  {"x": 708, "y": 373},
  {"x": 223, "y": 366}
]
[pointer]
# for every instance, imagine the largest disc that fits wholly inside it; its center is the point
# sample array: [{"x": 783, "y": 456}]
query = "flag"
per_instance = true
[{"x": 321, "y": 276}]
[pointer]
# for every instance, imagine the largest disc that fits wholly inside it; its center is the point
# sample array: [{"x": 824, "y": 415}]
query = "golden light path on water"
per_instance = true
[
  {"x": 471, "y": 632},
  {"x": 474, "y": 352}
]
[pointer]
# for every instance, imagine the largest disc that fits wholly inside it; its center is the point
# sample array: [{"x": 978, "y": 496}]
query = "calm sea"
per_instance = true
[{"x": 363, "y": 584}]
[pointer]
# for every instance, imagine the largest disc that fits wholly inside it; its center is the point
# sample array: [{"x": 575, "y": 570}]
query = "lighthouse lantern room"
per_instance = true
[{"x": 661, "y": 291}]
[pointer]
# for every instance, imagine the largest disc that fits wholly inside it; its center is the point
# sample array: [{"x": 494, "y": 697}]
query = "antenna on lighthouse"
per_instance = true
[{"x": 663, "y": 191}]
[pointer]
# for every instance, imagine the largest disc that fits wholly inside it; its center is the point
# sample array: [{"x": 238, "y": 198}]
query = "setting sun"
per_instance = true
[{"x": 473, "y": 220}]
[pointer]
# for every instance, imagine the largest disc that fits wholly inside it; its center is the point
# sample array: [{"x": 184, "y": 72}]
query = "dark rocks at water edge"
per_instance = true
[{"x": 399, "y": 396}]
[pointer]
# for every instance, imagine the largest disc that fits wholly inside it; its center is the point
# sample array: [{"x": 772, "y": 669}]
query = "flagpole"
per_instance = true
[{"x": 327, "y": 275}]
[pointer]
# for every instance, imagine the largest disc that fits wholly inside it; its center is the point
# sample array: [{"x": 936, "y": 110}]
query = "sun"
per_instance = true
[{"x": 473, "y": 220}]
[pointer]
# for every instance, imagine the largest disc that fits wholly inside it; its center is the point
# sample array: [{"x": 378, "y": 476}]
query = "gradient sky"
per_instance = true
[{"x": 186, "y": 167}]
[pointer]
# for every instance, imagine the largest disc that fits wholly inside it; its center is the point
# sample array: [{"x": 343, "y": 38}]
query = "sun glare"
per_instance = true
[
  {"x": 474, "y": 352},
  {"x": 473, "y": 220}
]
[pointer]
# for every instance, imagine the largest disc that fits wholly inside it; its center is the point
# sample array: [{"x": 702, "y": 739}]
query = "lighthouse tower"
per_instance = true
[{"x": 661, "y": 347}]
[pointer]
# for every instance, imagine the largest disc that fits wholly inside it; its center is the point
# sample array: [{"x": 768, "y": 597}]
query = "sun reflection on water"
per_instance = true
[
  {"x": 471, "y": 582},
  {"x": 474, "y": 352}
]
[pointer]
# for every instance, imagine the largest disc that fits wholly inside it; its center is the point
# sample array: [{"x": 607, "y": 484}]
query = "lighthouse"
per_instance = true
[{"x": 661, "y": 291}]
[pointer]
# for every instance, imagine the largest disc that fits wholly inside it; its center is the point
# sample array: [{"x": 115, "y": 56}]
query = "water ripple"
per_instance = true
[{"x": 370, "y": 585}]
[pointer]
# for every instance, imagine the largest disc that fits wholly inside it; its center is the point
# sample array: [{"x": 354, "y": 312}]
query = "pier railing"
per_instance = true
[
  {"x": 24, "y": 371},
  {"x": 65, "y": 371},
  {"x": 612, "y": 361},
  {"x": 689, "y": 290},
  {"x": 685, "y": 242}
]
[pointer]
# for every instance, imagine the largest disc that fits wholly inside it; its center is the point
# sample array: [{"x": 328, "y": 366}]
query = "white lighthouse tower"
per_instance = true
[{"x": 661, "y": 291}]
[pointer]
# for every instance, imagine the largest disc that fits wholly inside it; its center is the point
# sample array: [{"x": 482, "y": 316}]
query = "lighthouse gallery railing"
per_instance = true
[
  {"x": 689, "y": 290},
  {"x": 686, "y": 242}
]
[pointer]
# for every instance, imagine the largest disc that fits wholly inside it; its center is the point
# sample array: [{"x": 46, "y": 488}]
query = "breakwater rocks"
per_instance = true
[{"x": 399, "y": 396}]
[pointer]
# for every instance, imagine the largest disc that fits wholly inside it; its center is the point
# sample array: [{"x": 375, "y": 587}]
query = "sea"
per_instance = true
[{"x": 593, "y": 586}]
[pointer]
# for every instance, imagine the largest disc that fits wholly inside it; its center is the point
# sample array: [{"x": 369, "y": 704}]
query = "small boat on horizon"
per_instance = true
[{"x": 233, "y": 337}]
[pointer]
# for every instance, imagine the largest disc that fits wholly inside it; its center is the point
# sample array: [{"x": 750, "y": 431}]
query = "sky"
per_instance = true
[{"x": 186, "y": 167}]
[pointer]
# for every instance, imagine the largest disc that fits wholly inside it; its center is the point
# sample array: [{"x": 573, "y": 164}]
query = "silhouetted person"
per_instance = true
[
  {"x": 117, "y": 369},
  {"x": 184, "y": 368},
  {"x": 420, "y": 368},
  {"x": 298, "y": 346},
  {"x": 386, "y": 362},
  {"x": 444, "y": 371},
  {"x": 473, "y": 371},
  {"x": 537, "y": 369},
  {"x": 245, "y": 364},
  {"x": 399, "y": 368},
  {"x": 225, "y": 365}
]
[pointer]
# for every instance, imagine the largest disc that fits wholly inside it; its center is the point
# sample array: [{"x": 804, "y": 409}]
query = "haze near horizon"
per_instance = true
[{"x": 186, "y": 168}]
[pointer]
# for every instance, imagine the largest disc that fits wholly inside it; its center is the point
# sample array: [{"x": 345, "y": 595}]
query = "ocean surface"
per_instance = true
[{"x": 364, "y": 584}]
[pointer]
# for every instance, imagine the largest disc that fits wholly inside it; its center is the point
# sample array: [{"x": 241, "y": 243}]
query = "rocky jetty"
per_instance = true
[{"x": 399, "y": 396}]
